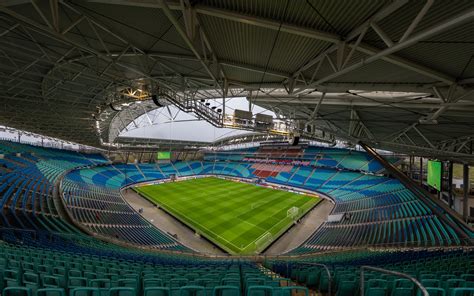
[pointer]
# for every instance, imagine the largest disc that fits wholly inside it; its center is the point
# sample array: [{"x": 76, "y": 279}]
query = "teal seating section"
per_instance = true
[
  {"x": 81, "y": 274},
  {"x": 445, "y": 272}
]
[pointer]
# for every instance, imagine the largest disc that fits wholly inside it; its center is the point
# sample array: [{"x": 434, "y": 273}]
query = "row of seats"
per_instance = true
[
  {"x": 38, "y": 271},
  {"x": 318, "y": 156},
  {"x": 27, "y": 182},
  {"x": 103, "y": 211},
  {"x": 442, "y": 272}
]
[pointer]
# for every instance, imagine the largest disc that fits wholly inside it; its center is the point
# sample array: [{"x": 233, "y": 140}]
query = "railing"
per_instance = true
[
  {"x": 381, "y": 270},
  {"x": 327, "y": 271}
]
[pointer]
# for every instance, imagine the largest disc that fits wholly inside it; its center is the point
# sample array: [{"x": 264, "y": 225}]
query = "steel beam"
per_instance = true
[{"x": 186, "y": 39}]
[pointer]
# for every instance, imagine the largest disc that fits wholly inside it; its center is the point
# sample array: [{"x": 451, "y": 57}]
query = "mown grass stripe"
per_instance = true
[{"x": 231, "y": 214}]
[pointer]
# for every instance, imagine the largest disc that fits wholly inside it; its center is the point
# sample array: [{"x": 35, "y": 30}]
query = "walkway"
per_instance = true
[{"x": 303, "y": 230}]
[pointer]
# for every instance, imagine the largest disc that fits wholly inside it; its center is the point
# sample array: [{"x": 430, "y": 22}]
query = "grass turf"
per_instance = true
[{"x": 231, "y": 214}]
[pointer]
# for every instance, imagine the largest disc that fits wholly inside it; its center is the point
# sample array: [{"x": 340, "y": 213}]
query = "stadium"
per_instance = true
[{"x": 236, "y": 148}]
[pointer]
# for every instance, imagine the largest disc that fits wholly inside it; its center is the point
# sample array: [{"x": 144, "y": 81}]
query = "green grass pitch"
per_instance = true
[{"x": 234, "y": 215}]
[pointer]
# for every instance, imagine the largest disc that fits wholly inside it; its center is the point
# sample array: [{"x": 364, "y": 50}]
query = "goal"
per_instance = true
[
  {"x": 293, "y": 212},
  {"x": 263, "y": 240}
]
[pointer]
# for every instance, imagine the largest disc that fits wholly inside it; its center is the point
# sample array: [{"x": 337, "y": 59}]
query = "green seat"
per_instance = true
[
  {"x": 50, "y": 281},
  {"x": 178, "y": 282},
  {"x": 467, "y": 277},
  {"x": 128, "y": 282},
  {"x": 31, "y": 280},
  {"x": 17, "y": 291},
  {"x": 377, "y": 283},
  {"x": 347, "y": 288},
  {"x": 44, "y": 269},
  {"x": 468, "y": 284},
  {"x": 230, "y": 282},
  {"x": 226, "y": 291},
  {"x": 376, "y": 291},
  {"x": 323, "y": 284},
  {"x": 462, "y": 292},
  {"x": 89, "y": 275},
  {"x": 403, "y": 283},
  {"x": 12, "y": 278},
  {"x": 435, "y": 291},
  {"x": 76, "y": 282},
  {"x": 103, "y": 285},
  {"x": 150, "y": 282},
  {"x": 28, "y": 266},
  {"x": 156, "y": 291},
  {"x": 312, "y": 278},
  {"x": 402, "y": 292},
  {"x": 430, "y": 283},
  {"x": 50, "y": 292},
  {"x": 75, "y": 273},
  {"x": 60, "y": 272},
  {"x": 122, "y": 291},
  {"x": 192, "y": 291},
  {"x": 100, "y": 283},
  {"x": 85, "y": 291},
  {"x": 446, "y": 277},
  {"x": 453, "y": 283},
  {"x": 259, "y": 291},
  {"x": 254, "y": 281}
]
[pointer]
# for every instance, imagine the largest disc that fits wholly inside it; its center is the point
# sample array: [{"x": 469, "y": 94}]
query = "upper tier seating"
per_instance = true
[{"x": 317, "y": 156}]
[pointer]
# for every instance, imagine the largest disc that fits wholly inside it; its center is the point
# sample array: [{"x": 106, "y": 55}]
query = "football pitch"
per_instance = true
[{"x": 241, "y": 218}]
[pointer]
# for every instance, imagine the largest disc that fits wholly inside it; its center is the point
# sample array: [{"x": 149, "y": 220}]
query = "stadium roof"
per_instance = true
[{"x": 396, "y": 74}]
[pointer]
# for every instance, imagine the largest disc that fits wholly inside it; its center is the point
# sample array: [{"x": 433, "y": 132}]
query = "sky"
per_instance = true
[{"x": 172, "y": 124}]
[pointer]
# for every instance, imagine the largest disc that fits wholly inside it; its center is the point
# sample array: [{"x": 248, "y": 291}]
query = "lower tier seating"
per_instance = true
[
  {"x": 441, "y": 272},
  {"x": 41, "y": 271}
]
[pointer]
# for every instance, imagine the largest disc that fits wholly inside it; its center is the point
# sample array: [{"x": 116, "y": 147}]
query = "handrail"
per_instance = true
[
  {"x": 327, "y": 271},
  {"x": 381, "y": 270}
]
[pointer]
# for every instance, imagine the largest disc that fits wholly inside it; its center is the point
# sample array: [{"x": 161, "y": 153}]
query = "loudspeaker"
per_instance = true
[
  {"x": 155, "y": 100},
  {"x": 295, "y": 141}
]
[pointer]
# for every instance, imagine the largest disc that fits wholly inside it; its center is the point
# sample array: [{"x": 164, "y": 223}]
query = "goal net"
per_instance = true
[
  {"x": 292, "y": 212},
  {"x": 263, "y": 240}
]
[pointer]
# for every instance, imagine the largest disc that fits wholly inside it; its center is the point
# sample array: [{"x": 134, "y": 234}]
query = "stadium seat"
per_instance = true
[
  {"x": 86, "y": 291},
  {"x": 226, "y": 291},
  {"x": 375, "y": 291},
  {"x": 462, "y": 292},
  {"x": 259, "y": 291},
  {"x": 122, "y": 291},
  {"x": 50, "y": 292},
  {"x": 17, "y": 291},
  {"x": 192, "y": 291},
  {"x": 156, "y": 291}
]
